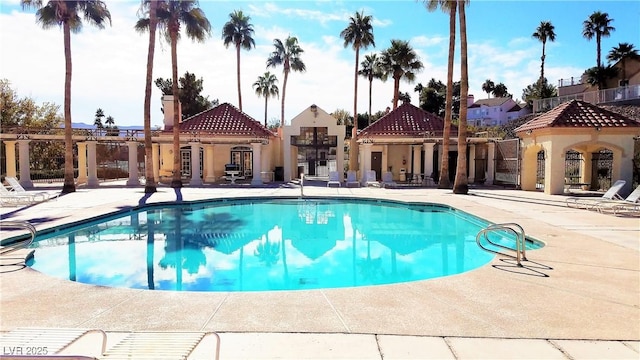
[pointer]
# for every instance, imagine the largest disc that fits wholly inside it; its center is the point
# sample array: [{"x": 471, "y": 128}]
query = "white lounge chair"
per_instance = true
[
  {"x": 51, "y": 340},
  {"x": 387, "y": 180},
  {"x": 589, "y": 203},
  {"x": 370, "y": 178},
  {"x": 631, "y": 203},
  {"x": 12, "y": 198},
  {"x": 37, "y": 195},
  {"x": 352, "y": 179},
  {"x": 334, "y": 179}
]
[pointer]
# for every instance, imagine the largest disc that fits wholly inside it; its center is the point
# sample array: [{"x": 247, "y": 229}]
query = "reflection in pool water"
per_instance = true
[{"x": 265, "y": 244}]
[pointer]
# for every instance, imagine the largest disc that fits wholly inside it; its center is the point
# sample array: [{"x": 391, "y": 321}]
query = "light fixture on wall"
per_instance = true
[
  {"x": 529, "y": 132},
  {"x": 314, "y": 110},
  {"x": 598, "y": 128}
]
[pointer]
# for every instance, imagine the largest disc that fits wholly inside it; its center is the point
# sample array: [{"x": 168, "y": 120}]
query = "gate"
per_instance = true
[
  {"x": 601, "y": 165},
  {"x": 573, "y": 161},
  {"x": 540, "y": 171},
  {"x": 507, "y": 161}
]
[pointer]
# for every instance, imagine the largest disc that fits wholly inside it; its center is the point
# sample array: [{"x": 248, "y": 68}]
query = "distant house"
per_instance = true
[{"x": 494, "y": 111}]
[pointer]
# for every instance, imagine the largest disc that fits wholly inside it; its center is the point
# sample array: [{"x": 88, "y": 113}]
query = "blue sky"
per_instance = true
[{"x": 109, "y": 65}]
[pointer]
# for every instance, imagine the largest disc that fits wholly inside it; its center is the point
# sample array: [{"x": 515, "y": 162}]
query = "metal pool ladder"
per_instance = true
[
  {"x": 514, "y": 228},
  {"x": 20, "y": 244}
]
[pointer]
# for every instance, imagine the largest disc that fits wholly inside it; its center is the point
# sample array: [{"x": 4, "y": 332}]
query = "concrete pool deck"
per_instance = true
[{"x": 577, "y": 297}]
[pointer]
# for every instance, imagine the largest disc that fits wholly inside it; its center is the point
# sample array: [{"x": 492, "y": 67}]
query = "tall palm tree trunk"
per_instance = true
[
  {"x": 542, "y": 61},
  {"x": 443, "y": 181},
  {"x": 396, "y": 90},
  {"x": 355, "y": 89},
  {"x": 266, "y": 98},
  {"x": 460, "y": 185},
  {"x": 370, "y": 87},
  {"x": 238, "y": 74},
  {"x": 598, "y": 49},
  {"x": 69, "y": 184},
  {"x": 284, "y": 92},
  {"x": 176, "y": 182},
  {"x": 150, "y": 181}
]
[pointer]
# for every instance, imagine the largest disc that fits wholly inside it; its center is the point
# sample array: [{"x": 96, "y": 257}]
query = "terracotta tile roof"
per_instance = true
[
  {"x": 579, "y": 114},
  {"x": 408, "y": 121},
  {"x": 515, "y": 107},
  {"x": 490, "y": 102},
  {"x": 225, "y": 119}
]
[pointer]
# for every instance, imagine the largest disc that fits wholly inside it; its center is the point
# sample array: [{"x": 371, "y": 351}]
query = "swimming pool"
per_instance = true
[{"x": 261, "y": 244}]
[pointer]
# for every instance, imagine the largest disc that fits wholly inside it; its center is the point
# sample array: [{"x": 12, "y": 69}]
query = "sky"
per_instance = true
[{"x": 109, "y": 65}]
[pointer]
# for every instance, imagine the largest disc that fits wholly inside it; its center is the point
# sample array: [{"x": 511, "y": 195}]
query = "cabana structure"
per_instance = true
[{"x": 577, "y": 143}]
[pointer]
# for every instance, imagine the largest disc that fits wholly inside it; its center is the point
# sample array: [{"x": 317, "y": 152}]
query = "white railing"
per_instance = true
[
  {"x": 623, "y": 93},
  {"x": 570, "y": 82}
]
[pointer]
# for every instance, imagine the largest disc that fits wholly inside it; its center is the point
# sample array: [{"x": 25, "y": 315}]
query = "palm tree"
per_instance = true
[
  {"x": 288, "y": 55},
  {"x": 238, "y": 31},
  {"x": 500, "y": 90},
  {"x": 460, "y": 184},
  {"x": 544, "y": 32},
  {"x": 401, "y": 62},
  {"x": 266, "y": 87},
  {"x": 488, "y": 86},
  {"x": 418, "y": 89},
  {"x": 598, "y": 76},
  {"x": 621, "y": 53},
  {"x": 599, "y": 25},
  {"x": 371, "y": 70},
  {"x": 150, "y": 23},
  {"x": 66, "y": 14},
  {"x": 449, "y": 7},
  {"x": 359, "y": 33},
  {"x": 171, "y": 14},
  {"x": 98, "y": 121}
]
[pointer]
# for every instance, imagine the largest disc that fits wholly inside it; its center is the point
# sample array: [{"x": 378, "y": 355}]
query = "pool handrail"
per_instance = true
[
  {"x": 19, "y": 244},
  {"x": 509, "y": 227}
]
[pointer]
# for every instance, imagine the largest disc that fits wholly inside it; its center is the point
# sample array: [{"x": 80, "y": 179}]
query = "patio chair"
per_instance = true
[
  {"x": 351, "y": 179},
  {"x": 52, "y": 341},
  {"x": 589, "y": 203},
  {"x": 12, "y": 198},
  {"x": 630, "y": 203},
  {"x": 387, "y": 180},
  {"x": 370, "y": 178},
  {"x": 334, "y": 179},
  {"x": 161, "y": 345},
  {"x": 37, "y": 195}
]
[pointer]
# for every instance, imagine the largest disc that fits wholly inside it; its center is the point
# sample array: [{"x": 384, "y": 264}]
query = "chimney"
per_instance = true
[
  {"x": 167, "y": 110},
  {"x": 470, "y": 100}
]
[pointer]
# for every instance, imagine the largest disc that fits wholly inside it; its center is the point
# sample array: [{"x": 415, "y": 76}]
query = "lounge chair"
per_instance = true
[
  {"x": 38, "y": 195},
  {"x": 12, "y": 198},
  {"x": 52, "y": 341},
  {"x": 334, "y": 179},
  {"x": 135, "y": 345},
  {"x": 631, "y": 203},
  {"x": 589, "y": 203},
  {"x": 351, "y": 179},
  {"x": 370, "y": 178},
  {"x": 387, "y": 180}
]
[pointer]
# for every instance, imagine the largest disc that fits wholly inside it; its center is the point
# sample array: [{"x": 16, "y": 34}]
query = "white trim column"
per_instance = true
[
  {"x": 196, "y": 176},
  {"x": 10, "y": 155},
  {"x": 134, "y": 178},
  {"x": 428, "y": 159},
  {"x": 209, "y": 152},
  {"x": 471, "y": 174},
  {"x": 155, "y": 155},
  {"x": 92, "y": 182},
  {"x": 416, "y": 160},
  {"x": 25, "y": 171},
  {"x": 491, "y": 161},
  {"x": 82, "y": 163},
  {"x": 257, "y": 164},
  {"x": 366, "y": 162}
]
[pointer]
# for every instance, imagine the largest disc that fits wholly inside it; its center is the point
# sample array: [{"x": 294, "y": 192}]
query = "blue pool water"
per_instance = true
[{"x": 265, "y": 244}]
